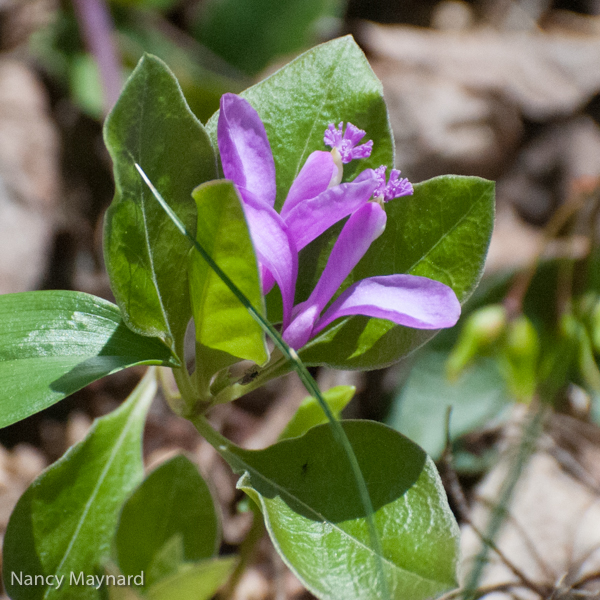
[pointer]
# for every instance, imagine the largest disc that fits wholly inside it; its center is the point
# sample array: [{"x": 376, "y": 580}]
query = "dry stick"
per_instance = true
[
  {"x": 586, "y": 579},
  {"x": 246, "y": 552},
  {"x": 531, "y": 430},
  {"x": 527, "y": 541},
  {"x": 483, "y": 591},
  {"x": 457, "y": 494},
  {"x": 513, "y": 301}
]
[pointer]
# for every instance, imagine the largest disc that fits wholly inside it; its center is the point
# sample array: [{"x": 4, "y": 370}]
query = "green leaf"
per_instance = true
[
  {"x": 194, "y": 582},
  {"x": 328, "y": 84},
  {"x": 250, "y": 34},
  {"x": 222, "y": 322},
  {"x": 419, "y": 410},
  {"x": 53, "y": 343},
  {"x": 441, "y": 232},
  {"x": 307, "y": 493},
  {"x": 66, "y": 520},
  {"x": 146, "y": 257},
  {"x": 338, "y": 432},
  {"x": 172, "y": 508},
  {"x": 309, "y": 413}
]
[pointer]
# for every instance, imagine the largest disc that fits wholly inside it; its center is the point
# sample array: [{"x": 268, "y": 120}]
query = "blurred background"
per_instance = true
[{"x": 503, "y": 89}]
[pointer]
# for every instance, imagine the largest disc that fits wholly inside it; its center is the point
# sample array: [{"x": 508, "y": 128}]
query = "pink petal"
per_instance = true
[
  {"x": 309, "y": 219},
  {"x": 275, "y": 249},
  {"x": 407, "y": 300},
  {"x": 267, "y": 280},
  {"x": 245, "y": 151},
  {"x": 362, "y": 228},
  {"x": 316, "y": 175}
]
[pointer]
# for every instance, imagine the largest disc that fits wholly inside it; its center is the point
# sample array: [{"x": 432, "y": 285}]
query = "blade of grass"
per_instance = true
[
  {"x": 531, "y": 429},
  {"x": 309, "y": 383}
]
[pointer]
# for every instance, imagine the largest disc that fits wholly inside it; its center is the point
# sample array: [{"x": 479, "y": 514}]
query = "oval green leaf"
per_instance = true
[
  {"x": 66, "y": 520},
  {"x": 53, "y": 343},
  {"x": 442, "y": 232},
  {"x": 222, "y": 322},
  {"x": 332, "y": 82},
  {"x": 172, "y": 508},
  {"x": 146, "y": 257},
  {"x": 307, "y": 493}
]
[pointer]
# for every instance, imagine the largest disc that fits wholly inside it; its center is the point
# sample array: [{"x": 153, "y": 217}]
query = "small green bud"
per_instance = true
[
  {"x": 481, "y": 329},
  {"x": 520, "y": 355}
]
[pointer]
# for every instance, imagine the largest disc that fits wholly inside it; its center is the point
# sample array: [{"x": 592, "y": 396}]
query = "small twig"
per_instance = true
[
  {"x": 458, "y": 496},
  {"x": 246, "y": 553},
  {"x": 483, "y": 591},
  {"x": 531, "y": 430},
  {"x": 513, "y": 301},
  {"x": 583, "y": 580},
  {"x": 527, "y": 541},
  {"x": 571, "y": 465}
]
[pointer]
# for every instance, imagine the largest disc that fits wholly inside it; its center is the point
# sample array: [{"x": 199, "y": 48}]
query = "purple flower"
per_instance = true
[
  {"x": 346, "y": 145},
  {"x": 395, "y": 188},
  {"x": 316, "y": 201}
]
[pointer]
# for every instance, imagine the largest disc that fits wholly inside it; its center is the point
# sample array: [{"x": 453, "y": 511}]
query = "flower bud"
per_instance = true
[
  {"x": 482, "y": 328},
  {"x": 519, "y": 358}
]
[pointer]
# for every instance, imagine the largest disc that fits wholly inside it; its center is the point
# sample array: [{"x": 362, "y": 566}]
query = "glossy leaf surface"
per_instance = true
[
  {"x": 442, "y": 232},
  {"x": 222, "y": 322},
  {"x": 172, "y": 508},
  {"x": 307, "y": 493},
  {"x": 146, "y": 257},
  {"x": 53, "y": 343},
  {"x": 328, "y": 84},
  {"x": 66, "y": 520}
]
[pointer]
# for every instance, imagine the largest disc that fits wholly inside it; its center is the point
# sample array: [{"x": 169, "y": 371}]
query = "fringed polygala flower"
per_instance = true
[{"x": 316, "y": 201}]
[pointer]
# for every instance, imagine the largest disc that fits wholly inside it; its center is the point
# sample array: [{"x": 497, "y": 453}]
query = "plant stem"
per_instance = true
[
  {"x": 309, "y": 383},
  {"x": 277, "y": 367},
  {"x": 183, "y": 379},
  {"x": 246, "y": 552}
]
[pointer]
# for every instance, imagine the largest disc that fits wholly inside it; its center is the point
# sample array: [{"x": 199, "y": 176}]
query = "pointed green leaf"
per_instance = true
[
  {"x": 441, "y": 232},
  {"x": 66, "y": 520},
  {"x": 194, "y": 582},
  {"x": 328, "y": 84},
  {"x": 53, "y": 343},
  {"x": 307, "y": 493},
  {"x": 146, "y": 257},
  {"x": 309, "y": 413},
  {"x": 222, "y": 322},
  {"x": 172, "y": 504}
]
